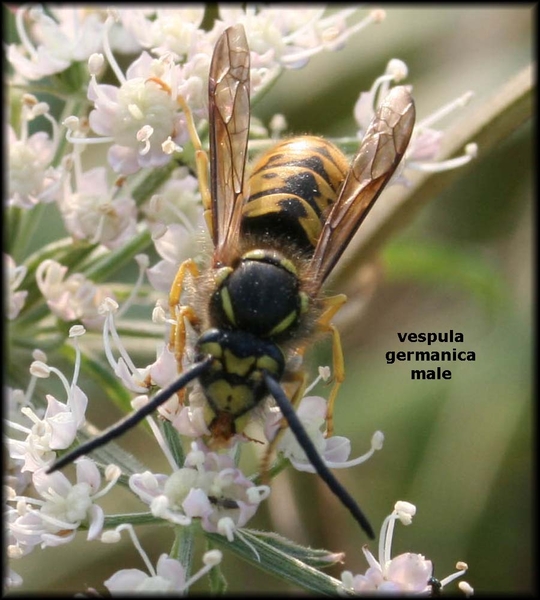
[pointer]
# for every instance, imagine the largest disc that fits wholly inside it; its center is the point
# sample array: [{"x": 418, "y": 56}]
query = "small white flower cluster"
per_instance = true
[
  {"x": 60, "y": 508},
  {"x": 407, "y": 573},
  {"x": 15, "y": 276},
  {"x": 32, "y": 178},
  {"x": 209, "y": 487},
  {"x": 70, "y": 297},
  {"x": 57, "y": 428},
  {"x": 425, "y": 143},
  {"x": 168, "y": 576}
]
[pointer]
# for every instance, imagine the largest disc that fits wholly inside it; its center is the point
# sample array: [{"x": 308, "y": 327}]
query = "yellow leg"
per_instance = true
[
  {"x": 179, "y": 313},
  {"x": 324, "y": 324},
  {"x": 201, "y": 163},
  {"x": 201, "y": 157},
  {"x": 332, "y": 305}
]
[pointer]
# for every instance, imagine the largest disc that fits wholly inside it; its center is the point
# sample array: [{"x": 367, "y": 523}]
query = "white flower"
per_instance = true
[
  {"x": 208, "y": 487},
  {"x": 406, "y": 573},
  {"x": 140, "y": 115},
  {"x": 15, "y": 276},
  {"x": 63, "y": 507},
  {"x": 334, "y": 450},
  {"x": 168, "y": 575},
  {"x": 15, "y": 477},
  {"x": 31, "y": 179},
  {"x": 56, "y": 431},
  {"x": 290, "y": 37},
  {"x": 70, "y": 298},
  {"x": 161, "y": 372},
  {"x": 190, "y": 420},
  {"x": 72, "y": 37},
  {"x": 174, "y": 245},
  {"x": 425, "y": 143},
  {"x": 90, "y": 213},
  {"x": 176, "y": 220},
  {"x": 57, "y": 427},
  {"x": 173, "y": 30}
]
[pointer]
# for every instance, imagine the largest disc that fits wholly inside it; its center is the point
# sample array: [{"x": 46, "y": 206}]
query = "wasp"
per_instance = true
[{"x": 277, "y": 237}]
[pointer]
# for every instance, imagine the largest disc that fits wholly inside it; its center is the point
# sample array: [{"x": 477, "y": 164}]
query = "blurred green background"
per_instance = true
[{"x": 460, "y": 450}]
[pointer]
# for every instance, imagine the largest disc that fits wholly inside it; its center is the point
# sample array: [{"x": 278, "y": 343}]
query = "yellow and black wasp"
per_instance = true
[{"x": 276, "y": 240}]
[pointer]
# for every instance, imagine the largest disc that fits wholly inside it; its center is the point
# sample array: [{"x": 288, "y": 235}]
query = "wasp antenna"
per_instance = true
[
  {"x": 122, "y": 426},
  {"x": 313, "y": 456}
]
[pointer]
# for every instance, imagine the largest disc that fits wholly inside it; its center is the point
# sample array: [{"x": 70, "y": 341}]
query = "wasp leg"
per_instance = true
[
  {"x": 324, "y": 324},
  {"x": 332, "y": 305},
  {"x": 180, "y": 313},
  {"x": 201, "y": 163},
  {"x": 201, "y": 157}
]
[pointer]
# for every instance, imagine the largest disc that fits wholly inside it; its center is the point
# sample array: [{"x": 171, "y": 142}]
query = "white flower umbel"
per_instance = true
[
  {"x": 208, "y": 487},
  {"x": 95, "y": 211},
  {"x": 15, "y": 298},
  {"x": 168, "y": 575},
  {"x": 139, "y": 115},
  {"x": 425, "y": 143},
  {"x": 31, "y": 176},
  {"x": 61, "y": 508},
  {"x": 406, "y": 573},
  {"x": 70, "y": 297},
  {"x": 72, "y": 36},
  {"x": 289, "y": 38},
  {"x": 58, "y": 427}
]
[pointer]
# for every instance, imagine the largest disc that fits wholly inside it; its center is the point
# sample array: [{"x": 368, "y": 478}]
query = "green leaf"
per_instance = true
[
  {"x": 314, "y": 557},
  {"x": 273, "y": 558},
  {"x": 173, "y": 441}
]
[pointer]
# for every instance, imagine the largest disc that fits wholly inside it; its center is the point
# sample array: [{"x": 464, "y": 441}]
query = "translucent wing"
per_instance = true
[
  {"x": 381, "y": 151},
  {"x": 228, "y": 99}
]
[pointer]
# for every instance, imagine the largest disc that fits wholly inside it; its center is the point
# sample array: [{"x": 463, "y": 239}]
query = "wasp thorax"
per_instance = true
[{"x": 261, "y": 295}]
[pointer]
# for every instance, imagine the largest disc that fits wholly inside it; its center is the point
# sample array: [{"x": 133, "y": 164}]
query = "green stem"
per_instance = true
[
  {"x": 104, "y": 266},
  {"x": 183, "y": 547},
  {"x": 279, "y": 465},
  {"x": 147, "y": 518}
]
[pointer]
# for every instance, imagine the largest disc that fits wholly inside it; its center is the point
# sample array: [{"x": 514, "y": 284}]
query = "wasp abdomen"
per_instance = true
[{"x": 291, "y": 190}]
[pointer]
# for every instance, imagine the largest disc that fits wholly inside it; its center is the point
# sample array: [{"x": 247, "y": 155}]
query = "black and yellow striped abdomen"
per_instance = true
[{"x": 291, "y": 189}]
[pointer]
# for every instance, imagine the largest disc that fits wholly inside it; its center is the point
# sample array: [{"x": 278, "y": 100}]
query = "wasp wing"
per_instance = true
[
  {"x": 382, "y": 149},
  {"x": 228, "y": 105}
]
